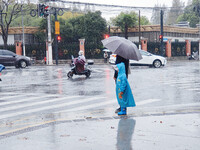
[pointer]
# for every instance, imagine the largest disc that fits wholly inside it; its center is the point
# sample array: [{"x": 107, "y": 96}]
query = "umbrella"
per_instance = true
[
  {"x": 106, "y": 50},
  {"x": 122, "y": 47}
]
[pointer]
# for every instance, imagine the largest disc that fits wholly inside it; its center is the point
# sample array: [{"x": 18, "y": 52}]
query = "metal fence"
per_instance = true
[
  {"x": 94, "y": 50},
  {"x": 178, "y": 49},
  {"x": 194, "y": 47},
  {"x": 154, "y": 48}
]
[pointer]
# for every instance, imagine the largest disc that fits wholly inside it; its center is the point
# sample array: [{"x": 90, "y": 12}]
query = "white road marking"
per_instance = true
[
  {"x": 50, "y": 107},
  {"x": 37, "y": 103},
  {"x": 89, "y": 106},
  {"x": 7, "y": 93},
  {"x": 96, "y": 70},
  {"x": 11, "y": 97},
  {"x": 25, "y": 73},
  {"x": 40, "y": 73},
  {"x": 23, "y": 100},
  {"x": 147, "y": 101},
  {"x": 113, "y": 101},
  {"x": 9, "y": 74},
  {"x": 194, "y": 89}
]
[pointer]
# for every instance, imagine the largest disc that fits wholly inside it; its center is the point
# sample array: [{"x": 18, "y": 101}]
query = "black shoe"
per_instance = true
[{"x": 118, "y": 110}]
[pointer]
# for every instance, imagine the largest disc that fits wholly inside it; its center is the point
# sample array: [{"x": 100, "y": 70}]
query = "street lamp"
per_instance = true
[{"x": 24, "y": 52}]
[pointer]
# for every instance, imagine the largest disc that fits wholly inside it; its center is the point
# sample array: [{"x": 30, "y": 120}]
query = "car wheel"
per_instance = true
[
  {"x": 157, "y": 63},
  {"x": 22, "y": 64},
  {"x": 70, "y": 74},
  {"x": 88, "y": 74}
]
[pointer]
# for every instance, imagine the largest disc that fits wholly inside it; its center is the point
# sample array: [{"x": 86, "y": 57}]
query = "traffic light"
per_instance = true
[
  {"x": 46, "y": 11},
  {"x": 160, "y": 37},
  {"x": 58, "y": 38},
  {"x": 106, "y": 36},
  {"x": 43, "y": 11},
  {"x": 40, "y": 10}
]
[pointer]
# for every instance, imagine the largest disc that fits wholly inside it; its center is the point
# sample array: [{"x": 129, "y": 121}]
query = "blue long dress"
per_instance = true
[{"x": 122, "y": 85}]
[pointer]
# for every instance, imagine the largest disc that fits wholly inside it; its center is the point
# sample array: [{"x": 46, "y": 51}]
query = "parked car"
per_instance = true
[
  {"x": 148, "y": 59},
  {"x": 8, "y": 58}
]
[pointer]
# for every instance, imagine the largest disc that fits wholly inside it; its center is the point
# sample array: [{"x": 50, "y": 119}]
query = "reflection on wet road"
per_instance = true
[{"x": 44, "y": 93}]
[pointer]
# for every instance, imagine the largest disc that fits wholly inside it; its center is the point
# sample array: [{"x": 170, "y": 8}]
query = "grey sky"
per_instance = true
[
  {"x": 141, "y": 3},
  {"x": 112, "y": 12},
  {"x": 135, "y": 3}
]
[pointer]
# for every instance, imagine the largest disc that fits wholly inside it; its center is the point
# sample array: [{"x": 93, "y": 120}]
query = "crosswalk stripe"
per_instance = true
[
  {"x": 37, "y": 103},
  {"x": 89, "y": 106},
  {"x": 113, "y": 101},
  {"x": 50, "y": 107},
  {"x": 9, "y": 74},
  {"x": 10, "y": 97},
  {"x": 23, "y": 100},
  {"x": 95, "y": 70},
  {"x": 25, "y": 73},
  {"x": 8, "y": 93},
  {"x": 40, "y": 73},
  {"x": 147, "y": 101}
]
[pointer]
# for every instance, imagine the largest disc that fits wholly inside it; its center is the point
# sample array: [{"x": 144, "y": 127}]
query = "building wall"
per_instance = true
[
  {"x": 10, "y": 40},
  {"x": 152, "y": 32}
]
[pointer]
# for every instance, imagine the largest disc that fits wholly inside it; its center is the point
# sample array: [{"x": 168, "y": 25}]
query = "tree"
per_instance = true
[
  {"x": 174, "y": 12},
  {"x": 9, "y": 11},
  {"x": 190, "y": 14},
  {"x": 144, "y": 21},
  {"x": 128, "y": 20},
  {"x": 28, "y": 20},
  {"x": 90, "y": 26},
  {"x": 125, "y": 21},
  {"x": 155, "y": 18}
]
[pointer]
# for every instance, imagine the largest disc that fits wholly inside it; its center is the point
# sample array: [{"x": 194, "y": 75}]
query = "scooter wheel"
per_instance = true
[
  {"x": 88, "y": 74},
  {"x": 70, "y": 74}
]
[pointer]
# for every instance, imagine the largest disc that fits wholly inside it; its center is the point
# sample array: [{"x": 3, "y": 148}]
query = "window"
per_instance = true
[{"x": 8, "y": 53}]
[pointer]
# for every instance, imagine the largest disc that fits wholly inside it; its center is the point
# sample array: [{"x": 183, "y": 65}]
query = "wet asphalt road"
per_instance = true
[{"x": 44, "y": 93}]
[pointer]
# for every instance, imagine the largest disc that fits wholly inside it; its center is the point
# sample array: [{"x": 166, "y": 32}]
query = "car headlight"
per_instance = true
[{"x": 28, "y": 58}]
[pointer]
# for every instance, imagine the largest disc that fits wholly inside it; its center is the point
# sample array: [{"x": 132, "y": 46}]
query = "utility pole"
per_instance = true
[
  {"x": 49, "y": 52},
  {"x": 139, "y": 32},
  {"x": 24, "y": 51},
  {"x": 161, "y": 33},
  {"x": 56, "y": 39}
]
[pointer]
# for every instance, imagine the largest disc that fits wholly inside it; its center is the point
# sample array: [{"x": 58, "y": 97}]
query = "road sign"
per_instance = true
[
  {"x": 57, "y": 27},
  {"x": 165, "y": 39}
]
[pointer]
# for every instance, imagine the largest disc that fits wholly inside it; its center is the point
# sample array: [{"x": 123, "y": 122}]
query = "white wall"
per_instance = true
[{"x": 10, "y": 40}]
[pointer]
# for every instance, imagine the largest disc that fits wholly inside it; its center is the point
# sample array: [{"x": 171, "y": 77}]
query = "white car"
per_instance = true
[{"x": 148, "y": 59}]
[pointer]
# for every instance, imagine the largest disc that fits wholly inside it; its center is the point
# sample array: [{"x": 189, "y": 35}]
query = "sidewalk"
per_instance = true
[{"x": 161, "y": 132}]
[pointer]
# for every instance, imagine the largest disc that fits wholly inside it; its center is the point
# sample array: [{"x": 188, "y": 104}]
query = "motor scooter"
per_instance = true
[
  {"x": 75, "y": 68},
  {"x": 194, "y": 56}
]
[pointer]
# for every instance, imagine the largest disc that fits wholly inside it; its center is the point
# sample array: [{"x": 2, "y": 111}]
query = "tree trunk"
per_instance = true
[
  {"x": 5, "y": 46},
  {"x": 5, "y": 37},
  {"x": 126, "y": 31}
]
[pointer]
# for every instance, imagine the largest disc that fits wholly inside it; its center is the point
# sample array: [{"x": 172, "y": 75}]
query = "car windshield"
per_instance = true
[{"x": 144, "y": 53}]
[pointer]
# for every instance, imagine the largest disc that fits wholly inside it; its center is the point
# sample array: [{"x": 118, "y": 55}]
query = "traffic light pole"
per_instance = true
[
  {"x": 49, "y": 52},
  {"x": 56, "y": 40},
  {"x": 161, "y": 33}
]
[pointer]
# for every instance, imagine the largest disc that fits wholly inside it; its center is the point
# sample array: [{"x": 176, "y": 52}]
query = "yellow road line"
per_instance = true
[{"x": 34, "y": 125}]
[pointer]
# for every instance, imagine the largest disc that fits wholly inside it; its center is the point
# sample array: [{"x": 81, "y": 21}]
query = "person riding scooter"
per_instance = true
[
  {"x": 80, "y": 62},
  {"x": 78, "y": 66}
]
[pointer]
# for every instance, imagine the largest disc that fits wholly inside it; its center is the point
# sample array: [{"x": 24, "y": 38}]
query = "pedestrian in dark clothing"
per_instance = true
[{"x": 120, "y": 59}]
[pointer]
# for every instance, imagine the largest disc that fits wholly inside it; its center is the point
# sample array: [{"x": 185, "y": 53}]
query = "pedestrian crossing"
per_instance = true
[
  {"x": 14, "y": 105},
  {"x": 24, "y": 73}
]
